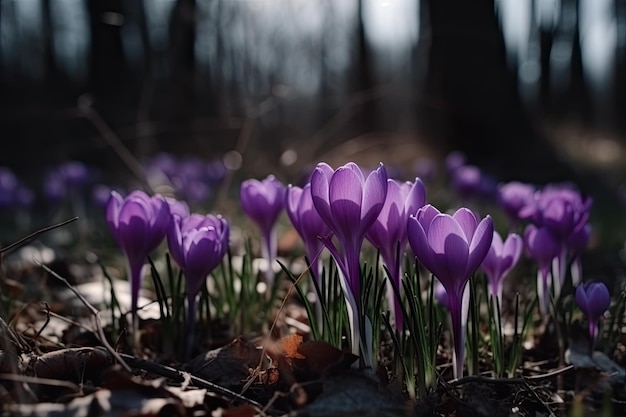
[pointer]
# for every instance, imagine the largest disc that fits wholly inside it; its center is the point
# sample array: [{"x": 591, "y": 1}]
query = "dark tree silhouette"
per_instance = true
[{"x": 471, "y": 101}]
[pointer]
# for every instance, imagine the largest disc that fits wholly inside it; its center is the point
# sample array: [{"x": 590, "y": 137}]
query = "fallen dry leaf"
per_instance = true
[
  {"x": 228, "y": 366},
  {"x": 321, "y": 358},
  {"x": 74, "y": 364}
]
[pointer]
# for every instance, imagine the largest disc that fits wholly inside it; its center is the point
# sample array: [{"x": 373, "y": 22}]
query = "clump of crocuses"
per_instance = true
[
  {"x": 593, "y": 299},
  {"x": 263, "y": 201},
  {"x": 139, "y": 224},
  {"x": 564, "y": 212},
  {"x": 349, "y": 204},
  {"x": 198, "y": 244},
  {"x": 452, "y": 247}
]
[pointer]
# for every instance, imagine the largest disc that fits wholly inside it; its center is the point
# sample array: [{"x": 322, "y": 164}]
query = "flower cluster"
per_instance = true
[
  {"x": 556, "y": 234},
  {"x": 339, "y": 209},
  {"x": 139, "y": 223},
  {"x": 67, "y": 179},
  {"x": 342, "y": 207},
  {"x": 191, "y": 179},
  {"x": 469, "y": 181},
  {"x": 13, "y": 194}
]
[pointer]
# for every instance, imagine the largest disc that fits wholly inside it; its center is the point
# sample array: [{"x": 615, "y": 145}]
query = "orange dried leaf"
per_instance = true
[
  {"x": 320, "y": 358},
  {"x": 290, "y": 345}
]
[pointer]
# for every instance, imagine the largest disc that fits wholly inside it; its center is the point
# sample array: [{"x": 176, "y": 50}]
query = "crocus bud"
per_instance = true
[
  {"x": 263, "y": 201},
  {"x": 593, "y": 299},
  {"x": 500, "y": 259},
  {"x": 543, "y": 247},
  {"x": 139, "y": 224},
  {"x": 198, "y": 244}
]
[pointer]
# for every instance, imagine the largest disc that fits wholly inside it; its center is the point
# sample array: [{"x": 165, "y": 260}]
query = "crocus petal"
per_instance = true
[
  {"x": 480, "y": 244},
  {"x": 159, "y": 222},
  {"x": 467, "y": 220},
  {"x": 374, "y": 195},
  {"x": 320, "y": 180},
  {"x": 356, "y": 169},
  {"x": 512, "y": 251},
  {"x": 202, "y": 255},
  {"x": 419, "y": 243},
  {"x": 426, "y": 214},
  {"x": 134, "y": 228},
  {"x": 450, "y": 251},
  {"x": 416, "y": 197},
  {"x": 346, "y": 194},
  {"x": 175, "y": 241},
  {"x": 541, "y": 245},
  {"x": 113, "y": 212},
  {"x": 292, "y": 203},
  {"x": 599, "y": 299}
]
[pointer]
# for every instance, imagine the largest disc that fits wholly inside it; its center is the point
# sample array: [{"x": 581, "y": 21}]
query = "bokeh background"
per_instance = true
[{"x": 531, "y": 90}]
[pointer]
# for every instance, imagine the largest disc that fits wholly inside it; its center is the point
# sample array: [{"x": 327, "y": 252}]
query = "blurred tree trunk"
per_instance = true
[
  {"x": 182, "y": 59},
  {"x": 367, "y": 116},
  {"x": 51, "y": 71},
  {"x": 108, "y": 67},
  {"x": 471, "y": 100},
  {"x": 620, "y": 78}
]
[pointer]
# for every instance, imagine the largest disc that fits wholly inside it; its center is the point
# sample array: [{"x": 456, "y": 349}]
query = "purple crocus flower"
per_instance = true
[
  {"x": 263, "y": 201},
  {"x": 543, "y": 248},
  {"x": 8, "y": 185},
  {"x": 593, "y": 299},
  {"x": 452, "y": 247},
  {"x": 349, "y": 204},
  {"x": 307, "y": 222},
  {"x": 466, "y": 181},
  {"x": 454, "y": 160},
  {"x": 160, "y": 166},
  {"x": 191, "y": 181},
  {"x": 500, "y": 259},
  {"x": 67, "y": 179},
  {"x": 388, "y": 233},
  {"x": 564, "y": 211},
  {"x": 514, "y": 197},
  {"x": 139, "y": 224},
  {"x": 75, "y": 174},
  {"x": 178, "y": 208},
  {"x": 198, "y": 244}
]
